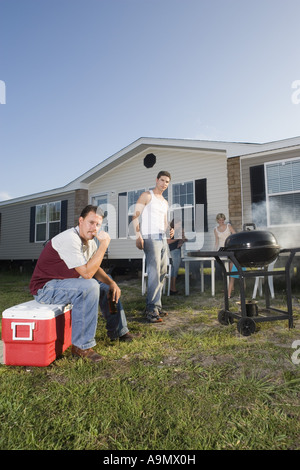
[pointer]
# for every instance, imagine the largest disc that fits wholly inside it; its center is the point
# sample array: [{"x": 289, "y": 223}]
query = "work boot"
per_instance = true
[
  {"x": 153, "y": 316},
  {"x": 86, "y": 354},
  {"x": 162, "y": 313},
  {"x": 127, "y": 338}
]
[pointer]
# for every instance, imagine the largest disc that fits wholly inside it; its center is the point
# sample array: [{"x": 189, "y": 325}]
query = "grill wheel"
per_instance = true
[
  {"x": 224, "y": 317},
  {"x": 246, "y": 326}
]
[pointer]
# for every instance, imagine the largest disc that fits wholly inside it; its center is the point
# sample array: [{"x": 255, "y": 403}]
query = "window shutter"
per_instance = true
[
  {"x": 258, "y": 195},
  {"x": 122, "y": 215},
  {"x": 201, "y": 201},
  {"x": 257, "y": 182},
  {"x": 64, "y": 216},
  {"x": 32, "y": 225}
]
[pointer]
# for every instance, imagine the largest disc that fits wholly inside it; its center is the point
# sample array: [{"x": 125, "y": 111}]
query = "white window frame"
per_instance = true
[
  {"x": 130, "y": 209},
  {"x": 47, "y": 222},
  {"x": 95, "y": 202},
  {"x": 137, "y": 193},
  {"x": 270, "y": 195},
  {"x": 185, "y": 206}
]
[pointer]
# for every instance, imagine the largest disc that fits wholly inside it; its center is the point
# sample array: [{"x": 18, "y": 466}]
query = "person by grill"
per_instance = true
[{"x": 222, "y": 231}]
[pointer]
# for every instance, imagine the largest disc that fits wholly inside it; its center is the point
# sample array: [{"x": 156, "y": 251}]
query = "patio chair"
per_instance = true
[{"x": 259, "y": 282}]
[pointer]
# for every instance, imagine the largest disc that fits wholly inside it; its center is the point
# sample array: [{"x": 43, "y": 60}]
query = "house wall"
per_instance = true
[
  {"x": 184, "y": 165},
  {"x": 287, "y": 237},
  {"x": 15, "y": 226}
]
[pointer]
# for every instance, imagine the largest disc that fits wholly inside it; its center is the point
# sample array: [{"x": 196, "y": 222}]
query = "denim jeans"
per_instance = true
[
  {"x": 176, "y": 261},
  {"x": 157, "y": 253},
  {"x": 85, "y": 295}
]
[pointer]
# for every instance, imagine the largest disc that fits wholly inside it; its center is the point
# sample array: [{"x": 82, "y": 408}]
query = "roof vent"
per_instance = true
[{"x": 149, "y": 160}]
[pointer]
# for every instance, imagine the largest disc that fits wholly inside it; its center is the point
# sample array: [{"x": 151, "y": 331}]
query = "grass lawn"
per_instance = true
[{"x": 187, "y": 384}]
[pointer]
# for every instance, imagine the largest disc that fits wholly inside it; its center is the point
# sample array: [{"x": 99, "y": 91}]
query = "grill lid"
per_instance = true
[
  {"x": 250, "y": 239},
  {"x": 253, "y": 248}
]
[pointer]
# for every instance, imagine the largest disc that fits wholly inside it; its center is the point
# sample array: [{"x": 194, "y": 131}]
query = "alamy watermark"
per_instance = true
[
  {"x": 296, "y": 94},
  {"x": 185, "y": 220},
  {"x": 2, "y": 92},
  {"x": 296, "y": 355}
]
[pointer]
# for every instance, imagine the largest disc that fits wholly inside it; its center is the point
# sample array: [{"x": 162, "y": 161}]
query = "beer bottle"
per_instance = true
[{"x": 112, "y": 305}]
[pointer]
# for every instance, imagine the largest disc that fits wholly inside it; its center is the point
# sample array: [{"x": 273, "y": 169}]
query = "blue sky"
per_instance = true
[{"x": 85, "y": 78}]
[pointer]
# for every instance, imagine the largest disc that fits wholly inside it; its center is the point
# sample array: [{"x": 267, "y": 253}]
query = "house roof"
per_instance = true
[
  {"x": 278, "y": 146},
  {"x": 231, "y": 149}
]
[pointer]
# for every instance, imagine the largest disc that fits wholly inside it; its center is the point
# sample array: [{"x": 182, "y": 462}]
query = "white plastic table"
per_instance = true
[
  {"x": 188, "y": 259},
  {"x": 201, "y": 259}
]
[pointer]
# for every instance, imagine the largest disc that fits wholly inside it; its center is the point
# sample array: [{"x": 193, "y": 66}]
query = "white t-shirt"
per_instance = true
[{"x": 71, "y": 249}]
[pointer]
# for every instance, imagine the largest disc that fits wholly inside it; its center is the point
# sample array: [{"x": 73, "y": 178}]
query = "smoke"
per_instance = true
[
  {"x": 259, "y": 215},
  {"x": 282, "y": 220}
]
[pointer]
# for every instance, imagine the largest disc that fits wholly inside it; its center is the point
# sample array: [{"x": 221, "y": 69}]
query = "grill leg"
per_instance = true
[
  {"x": 221, "y": 264},
  {"x": 243, "y": 296},
  {"x": 289, "y": 289}
]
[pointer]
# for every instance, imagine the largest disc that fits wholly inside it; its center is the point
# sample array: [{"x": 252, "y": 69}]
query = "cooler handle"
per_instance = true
[{"x": 19, "y": 338}]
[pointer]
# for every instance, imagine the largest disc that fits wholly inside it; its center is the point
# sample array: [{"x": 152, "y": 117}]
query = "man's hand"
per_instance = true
[
  {"x": 103, "y": 237},
  {"x": 114, "y": 292},
  {"x": 88, "y": 270},
  {"x": 139, "y": 243}
]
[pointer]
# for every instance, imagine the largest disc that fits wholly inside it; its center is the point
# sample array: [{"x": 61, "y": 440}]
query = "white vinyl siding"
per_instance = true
[{"x": 20, "y": 247}]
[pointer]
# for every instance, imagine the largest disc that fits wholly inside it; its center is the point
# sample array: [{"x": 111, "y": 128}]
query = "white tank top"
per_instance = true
[
  {"x": 154, "y": 216},
  {"x": 223, "y": 235}
]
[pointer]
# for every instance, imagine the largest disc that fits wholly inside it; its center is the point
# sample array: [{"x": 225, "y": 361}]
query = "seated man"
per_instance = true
[{"x": 68, "y": 271}]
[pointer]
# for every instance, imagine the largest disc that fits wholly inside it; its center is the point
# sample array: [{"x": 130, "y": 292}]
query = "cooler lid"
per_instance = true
[{"x": 34, "y": 309}]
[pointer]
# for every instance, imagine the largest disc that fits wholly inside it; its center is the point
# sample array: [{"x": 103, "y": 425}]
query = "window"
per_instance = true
[
  {"x": 47, "y": 221},
  {"x": 183, "y": 194},
  {"x": 183, "y": 197},
  {"x": 102, "y": 202},
  {"x": 283, "y": 192},
  {"x": 132, "y": 198}
]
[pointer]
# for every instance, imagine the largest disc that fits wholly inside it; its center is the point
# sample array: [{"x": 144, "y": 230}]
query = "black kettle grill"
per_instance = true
[{"x": 253, "y": 248}]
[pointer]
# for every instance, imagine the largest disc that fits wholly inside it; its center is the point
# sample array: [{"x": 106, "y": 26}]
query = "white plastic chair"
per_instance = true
[
  {"x": 259, "y": 281},
  {"x": 145, "y": 275}
]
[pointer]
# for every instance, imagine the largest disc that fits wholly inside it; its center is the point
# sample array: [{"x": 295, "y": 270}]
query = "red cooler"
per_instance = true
[{"x": 35, "y": 334}]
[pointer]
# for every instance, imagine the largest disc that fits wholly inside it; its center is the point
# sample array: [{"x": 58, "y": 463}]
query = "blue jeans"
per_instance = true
[
  {"x": 176, "y": 260},
  {"x": 156, "y": 252},
  {"x": 85, "y": 295}
]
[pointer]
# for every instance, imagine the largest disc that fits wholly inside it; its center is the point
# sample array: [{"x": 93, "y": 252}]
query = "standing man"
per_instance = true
[
  {"x": 151, "y": 236},
  {"x": 68, "y": 271}
]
